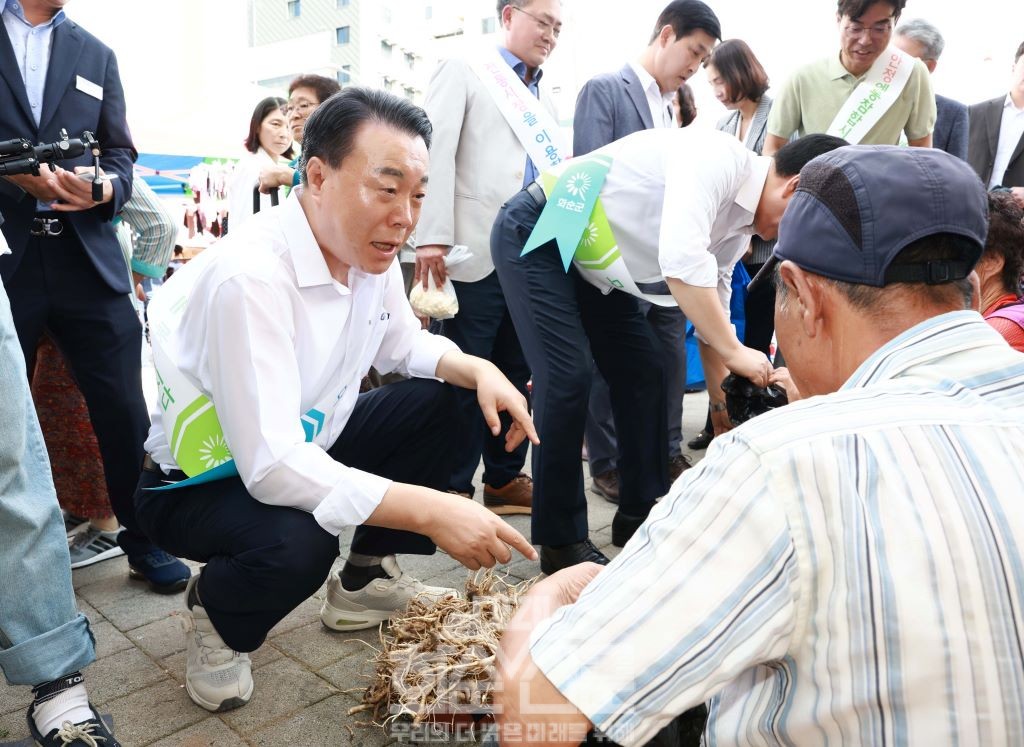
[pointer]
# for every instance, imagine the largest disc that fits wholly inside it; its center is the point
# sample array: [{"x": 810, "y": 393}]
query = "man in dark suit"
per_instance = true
[
  {"x": 996, "y": 142},
  {"x": 611, "y": 106},
  {"x": 922, "y": 40},
  {"x": 66, "y": 272}
]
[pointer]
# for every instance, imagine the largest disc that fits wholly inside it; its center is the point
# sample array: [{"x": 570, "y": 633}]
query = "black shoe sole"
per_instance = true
[{"x": 230, "y": 704}]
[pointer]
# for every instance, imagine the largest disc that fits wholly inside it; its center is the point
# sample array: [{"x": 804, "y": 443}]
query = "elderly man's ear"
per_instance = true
[{"x": 805, "y": 297}]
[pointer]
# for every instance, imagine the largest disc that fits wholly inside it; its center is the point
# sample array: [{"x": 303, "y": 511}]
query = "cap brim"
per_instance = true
[{"x": 764, "y": 275}]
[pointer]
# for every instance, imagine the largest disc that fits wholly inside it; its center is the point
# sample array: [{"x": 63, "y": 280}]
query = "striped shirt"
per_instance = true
[
  {"x": 150, "y": 240},
  {"x": 846, "y": 570}
]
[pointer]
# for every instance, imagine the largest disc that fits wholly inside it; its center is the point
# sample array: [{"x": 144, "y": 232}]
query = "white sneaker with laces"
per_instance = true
[
  {"x": 377, "y": 602},
  {"x": 216, "y": 677}
]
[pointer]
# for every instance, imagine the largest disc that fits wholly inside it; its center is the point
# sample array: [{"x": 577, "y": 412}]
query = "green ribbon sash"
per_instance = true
[{"x": 573, "y": 216}]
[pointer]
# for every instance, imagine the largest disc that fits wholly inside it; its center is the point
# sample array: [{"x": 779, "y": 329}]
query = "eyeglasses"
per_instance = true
[
  {"x": 302, "y": 108},
  {"x": 545, "y": 26},
  {"x": 878, "y": 31}
]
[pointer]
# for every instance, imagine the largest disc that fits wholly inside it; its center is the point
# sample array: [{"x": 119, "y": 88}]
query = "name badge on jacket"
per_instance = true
[{"x": 87, "y": 86}]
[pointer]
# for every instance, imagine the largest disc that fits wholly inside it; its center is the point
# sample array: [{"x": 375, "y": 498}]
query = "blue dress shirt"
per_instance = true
[{"x": 31, "y": 49}]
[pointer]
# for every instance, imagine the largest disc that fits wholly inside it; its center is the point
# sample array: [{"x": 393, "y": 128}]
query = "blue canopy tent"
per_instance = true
[{"x": 166, "y": 174}]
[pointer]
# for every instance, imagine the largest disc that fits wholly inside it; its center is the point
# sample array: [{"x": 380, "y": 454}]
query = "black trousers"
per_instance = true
[
  {"x": 563, "y": 322},
  {"x": 759, "y": 310},
  {"x": 262, "y": 561},
  {"x": 484, "y": 328},
  {"x": 56, "y": 287}
]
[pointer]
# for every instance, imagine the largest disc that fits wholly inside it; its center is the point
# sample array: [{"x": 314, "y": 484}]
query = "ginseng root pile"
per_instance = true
[{"x": 437, "y": 659}]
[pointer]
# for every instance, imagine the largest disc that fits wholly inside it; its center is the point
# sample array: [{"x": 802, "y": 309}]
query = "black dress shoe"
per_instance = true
[
  {"x": 701, "y": 441},
  {"x": 624, "y": 527},
  {"x": 554, "y": 559}
]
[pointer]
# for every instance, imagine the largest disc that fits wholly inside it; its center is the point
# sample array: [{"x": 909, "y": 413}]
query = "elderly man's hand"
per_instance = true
[
  {"x": 524, "y": 696},
  {"x": 781, "y": 377}
]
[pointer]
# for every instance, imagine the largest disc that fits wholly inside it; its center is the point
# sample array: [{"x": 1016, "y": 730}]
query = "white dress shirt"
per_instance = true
[
  {"x": 681, "y": 204},
  {"x": 268, "y": 334},
  {"x": 660, "y": 103},
  {"x": 1011, "y": 129}
]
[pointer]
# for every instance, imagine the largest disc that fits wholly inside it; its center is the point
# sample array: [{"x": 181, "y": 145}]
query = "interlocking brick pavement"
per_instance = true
[{"x": 307, "y": 677}]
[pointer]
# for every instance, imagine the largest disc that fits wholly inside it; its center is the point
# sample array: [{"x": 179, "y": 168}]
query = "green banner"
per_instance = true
[{"x": 571, "y": 203}]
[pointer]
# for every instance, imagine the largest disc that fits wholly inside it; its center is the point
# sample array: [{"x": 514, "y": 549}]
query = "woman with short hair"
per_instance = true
[{"x": 1000, "y": 269}]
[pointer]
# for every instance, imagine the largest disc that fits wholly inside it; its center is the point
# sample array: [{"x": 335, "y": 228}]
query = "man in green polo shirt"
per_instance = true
[{"x": 870, "y": 94}]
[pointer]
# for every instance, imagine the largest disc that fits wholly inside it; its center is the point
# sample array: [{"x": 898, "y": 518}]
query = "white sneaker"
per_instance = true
[
  {"x": 377, "y": 602},
  {"x": 216, "y": 677}
]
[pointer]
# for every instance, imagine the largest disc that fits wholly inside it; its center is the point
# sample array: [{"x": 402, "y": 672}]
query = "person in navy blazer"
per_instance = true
[
  {"x": 646, "y": 450},
  {"x": 922, "y": 40},
  {"x": 66, "y": 272},
  {"x": 952, "y": 123}
]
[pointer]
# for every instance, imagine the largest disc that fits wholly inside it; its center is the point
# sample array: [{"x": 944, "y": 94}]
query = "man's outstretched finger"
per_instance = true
[
  {"x": 523, "y": 419},
  {"x": 516, "y": 541}
]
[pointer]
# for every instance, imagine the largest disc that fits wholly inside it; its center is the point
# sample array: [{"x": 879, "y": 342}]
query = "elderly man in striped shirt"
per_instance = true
[{"x": 846, "y": 570}]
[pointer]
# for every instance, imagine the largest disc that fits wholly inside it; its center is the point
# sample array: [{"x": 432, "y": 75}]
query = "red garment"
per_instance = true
[
  {"x": 74, "y": 452},
  {"x": 1012, "y": 332}
]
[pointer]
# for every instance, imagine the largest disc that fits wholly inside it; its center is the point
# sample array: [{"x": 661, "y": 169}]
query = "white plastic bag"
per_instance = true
[{"x": 434, "y": 302}]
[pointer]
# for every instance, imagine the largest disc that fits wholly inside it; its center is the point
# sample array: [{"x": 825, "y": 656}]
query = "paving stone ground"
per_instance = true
[{"x": 307, "y": 677}]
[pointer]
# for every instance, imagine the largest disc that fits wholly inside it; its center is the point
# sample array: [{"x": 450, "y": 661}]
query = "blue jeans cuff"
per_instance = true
[{"x": 51, "y": 655}]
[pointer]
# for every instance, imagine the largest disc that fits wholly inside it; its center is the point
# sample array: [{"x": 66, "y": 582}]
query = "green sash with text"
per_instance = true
[{"x": 574, "y": 218}]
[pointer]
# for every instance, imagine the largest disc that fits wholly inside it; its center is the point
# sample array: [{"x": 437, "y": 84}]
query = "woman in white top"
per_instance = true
[{"x": 269, "y": 142}]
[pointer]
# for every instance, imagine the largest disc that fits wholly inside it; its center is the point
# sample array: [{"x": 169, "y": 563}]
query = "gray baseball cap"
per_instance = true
[{"x": 858, "y": 206}]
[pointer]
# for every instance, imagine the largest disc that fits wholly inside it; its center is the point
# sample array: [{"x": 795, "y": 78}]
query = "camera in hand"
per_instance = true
[
  {"x": 745, "y": 400},
  {"x": 19, "y": 156}
]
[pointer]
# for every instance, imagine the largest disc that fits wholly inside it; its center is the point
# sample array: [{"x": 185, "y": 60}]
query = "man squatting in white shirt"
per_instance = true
[{"x": 289, "y": 313}]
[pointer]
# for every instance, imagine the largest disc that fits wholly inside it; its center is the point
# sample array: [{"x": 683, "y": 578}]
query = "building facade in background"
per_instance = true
[{"x": 389, "y": 44}]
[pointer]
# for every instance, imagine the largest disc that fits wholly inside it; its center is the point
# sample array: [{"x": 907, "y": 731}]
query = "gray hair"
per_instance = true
[{"x": 924, "y": 34}]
